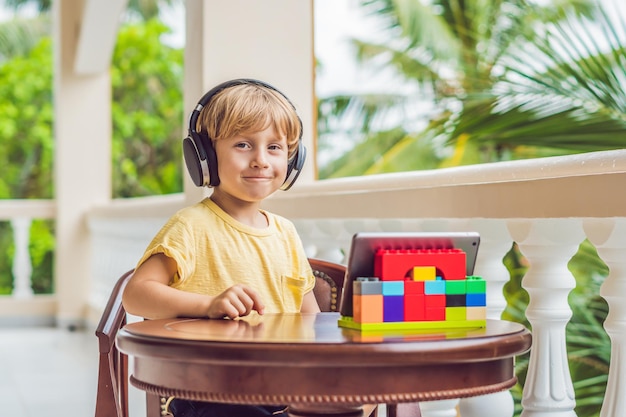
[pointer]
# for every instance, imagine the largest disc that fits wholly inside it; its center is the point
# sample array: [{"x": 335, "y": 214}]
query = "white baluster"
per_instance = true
[
  {"x": 548, "y": 245},
  {"x": 22, "y": 267},
  {"x": 443, "y": 408},
  {"x": 609, "y": 238},
  {"x": 495, "y": 242}
]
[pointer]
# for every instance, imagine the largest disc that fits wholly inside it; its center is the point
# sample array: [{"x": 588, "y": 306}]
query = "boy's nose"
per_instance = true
[{"x": 260, "y": 159}]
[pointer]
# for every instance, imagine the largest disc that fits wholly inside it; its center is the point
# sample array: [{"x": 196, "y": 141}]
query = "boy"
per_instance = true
[{"x": 224, "y": 257}]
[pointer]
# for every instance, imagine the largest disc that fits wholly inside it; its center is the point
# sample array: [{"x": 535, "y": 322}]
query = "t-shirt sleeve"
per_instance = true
[{"x": 175, "y": 241}]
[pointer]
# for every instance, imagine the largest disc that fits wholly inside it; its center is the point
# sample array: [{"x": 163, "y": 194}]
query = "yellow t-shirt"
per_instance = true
[{"x": 213, "y": 252}]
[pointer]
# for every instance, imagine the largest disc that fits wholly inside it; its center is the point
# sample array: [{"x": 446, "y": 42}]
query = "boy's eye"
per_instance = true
[
  {"x": 241, "y": 145},
  {"x": 274, "y": 147}
]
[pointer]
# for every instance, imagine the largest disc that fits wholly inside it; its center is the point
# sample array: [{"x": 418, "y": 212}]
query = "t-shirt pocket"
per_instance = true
[{"x": 292, "y": 293}]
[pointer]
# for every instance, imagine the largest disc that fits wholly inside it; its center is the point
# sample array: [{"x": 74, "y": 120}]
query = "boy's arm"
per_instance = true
[
  {"x": 149, "y": 295},
  {"x": 309, "y": 303}
]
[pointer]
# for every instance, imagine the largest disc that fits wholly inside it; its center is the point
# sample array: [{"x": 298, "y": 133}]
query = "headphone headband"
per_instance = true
[{"x": 200, "y": 156}]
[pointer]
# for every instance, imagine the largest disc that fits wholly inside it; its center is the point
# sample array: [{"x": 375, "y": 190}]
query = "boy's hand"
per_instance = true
[{"x": 237, "y": 301}]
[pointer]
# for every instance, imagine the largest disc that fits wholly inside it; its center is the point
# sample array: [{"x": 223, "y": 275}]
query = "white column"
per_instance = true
[
  {"x": 495, "y": 242},
  {"x": 548, "y": 245},
  {"x": 82, "y": 122},
  {"x": 22, "y": 266},
  {"x": 609, "y": 238}
]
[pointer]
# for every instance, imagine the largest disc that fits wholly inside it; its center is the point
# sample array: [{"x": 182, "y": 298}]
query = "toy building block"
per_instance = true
[
  {"x": 456, "y": 313},
  {"x": 368, "y": 308},
  {"x": 435, "y": 314},
  {"x": 393, "y": 308},
  {"x": 414, "y": 309},
  {"x": 396, "y": 265},
  {"x": 456, "y": 287},
  {"x": 456, "y": 300},
  {"x": 413, "y": 287},
  {"x": 393, "y": 288},
  {"x": 423, "y": 273},
  {"x": 367, "y": 285},
  {"x": 476, "y": 300},
  {"x": 437, "y": 286},
  {"x": 476, "y": 313},
  {"x": 435, "y": 300},
  {"x": 475, "y": 284}
]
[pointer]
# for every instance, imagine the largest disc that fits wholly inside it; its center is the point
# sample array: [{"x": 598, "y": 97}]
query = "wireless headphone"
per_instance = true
[{"x": 199, "y": 153}]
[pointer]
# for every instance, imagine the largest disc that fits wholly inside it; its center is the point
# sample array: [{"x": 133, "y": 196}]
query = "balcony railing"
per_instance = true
[
  {"x": 22, "y": 307},
  {"x": 546, "y": 206}
]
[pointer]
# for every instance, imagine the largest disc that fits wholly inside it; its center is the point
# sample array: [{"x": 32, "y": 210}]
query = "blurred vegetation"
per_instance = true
[{"x": 146, "y": 78}]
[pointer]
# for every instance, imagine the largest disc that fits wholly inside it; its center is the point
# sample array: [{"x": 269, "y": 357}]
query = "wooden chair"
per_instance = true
[{"x": 112, "y": 395}]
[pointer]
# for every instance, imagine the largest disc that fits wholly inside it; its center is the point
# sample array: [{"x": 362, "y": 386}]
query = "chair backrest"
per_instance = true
[
  {"x": 329, "y": 283},
  {"x": 112, "y": 395}
]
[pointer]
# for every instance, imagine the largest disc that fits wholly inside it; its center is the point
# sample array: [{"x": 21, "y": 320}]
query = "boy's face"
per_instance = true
[{"x": 252, "y": 165}]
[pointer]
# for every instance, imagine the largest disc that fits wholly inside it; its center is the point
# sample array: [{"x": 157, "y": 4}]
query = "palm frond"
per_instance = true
[{"x": 19, "y": 36}]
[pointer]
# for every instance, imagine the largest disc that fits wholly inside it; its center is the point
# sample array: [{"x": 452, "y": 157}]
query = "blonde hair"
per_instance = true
[{"x": 250, "y": 108}]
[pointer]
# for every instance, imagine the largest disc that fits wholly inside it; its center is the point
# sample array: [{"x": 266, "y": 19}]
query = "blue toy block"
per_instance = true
[
  {"x": 434, "y": 287},
  {"x": 393, "y": 308},
  {"x": 393, "y": 287},
  {"x": 476, "y": 300}
]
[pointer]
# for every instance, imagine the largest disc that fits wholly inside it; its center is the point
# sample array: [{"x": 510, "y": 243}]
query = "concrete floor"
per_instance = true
[{"x": 51, "y": 372}]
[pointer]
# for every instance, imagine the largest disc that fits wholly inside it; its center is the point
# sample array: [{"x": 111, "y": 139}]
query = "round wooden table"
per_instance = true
[{"x": 317, "y": 368}]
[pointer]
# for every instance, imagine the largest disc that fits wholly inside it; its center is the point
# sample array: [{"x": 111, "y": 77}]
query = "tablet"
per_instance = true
[{"x": 365, "y": 244}]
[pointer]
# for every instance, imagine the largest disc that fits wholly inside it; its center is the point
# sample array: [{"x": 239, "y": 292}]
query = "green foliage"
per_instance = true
[
  {"x": 6, "y": 258},
  {"x": 147, "y": 131},
  {"x": 147, "y": 113},
  {"x": 26, "y": 143}
]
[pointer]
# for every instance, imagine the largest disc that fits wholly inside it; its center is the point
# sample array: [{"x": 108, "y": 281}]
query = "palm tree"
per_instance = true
[{"x": 500, "y": 79}]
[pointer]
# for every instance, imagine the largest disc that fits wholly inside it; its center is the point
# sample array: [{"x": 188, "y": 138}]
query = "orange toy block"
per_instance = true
[
  {"x": 396, "y": 265},
  {"x": 368, "y": 308}
]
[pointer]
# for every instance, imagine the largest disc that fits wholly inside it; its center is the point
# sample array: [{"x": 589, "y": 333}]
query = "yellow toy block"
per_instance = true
[
  {"x": 456, "y": 313},
  {"x": 424, "y": 273}
]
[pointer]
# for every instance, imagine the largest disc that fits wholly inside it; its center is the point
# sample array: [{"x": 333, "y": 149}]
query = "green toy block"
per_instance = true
[
  {"x": 455, "y": 287},
  {"x": 476, "y": 285}
]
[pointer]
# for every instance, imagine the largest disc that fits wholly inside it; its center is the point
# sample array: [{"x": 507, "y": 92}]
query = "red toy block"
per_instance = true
[
  {"x": 435, "y": 313},
  {"x": 413, "y": 287},
  {"x": 396, "y": 265},
  {"x": 436, "y": 300},
  {"x": 414, "y": 307}
]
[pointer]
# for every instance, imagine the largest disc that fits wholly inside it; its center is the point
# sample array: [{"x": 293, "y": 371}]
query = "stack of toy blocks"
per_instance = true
[{"x": 418, "y": 289}]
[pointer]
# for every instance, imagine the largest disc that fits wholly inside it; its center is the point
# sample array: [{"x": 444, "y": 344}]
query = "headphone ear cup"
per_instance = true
[
  {"x": 193, "y": 161},
  {"x": 295, "y": 167},
  {"x": 201, "y": 161}
]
